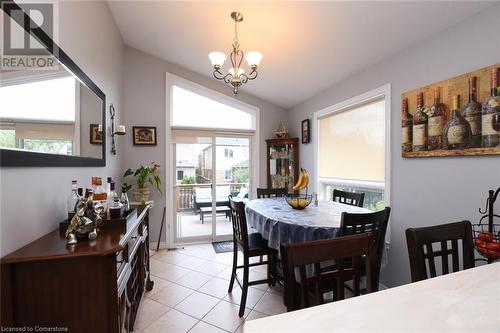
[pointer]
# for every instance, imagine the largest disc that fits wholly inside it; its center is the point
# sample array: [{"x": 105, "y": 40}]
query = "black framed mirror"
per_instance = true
[{"x": 51, "y": 112}]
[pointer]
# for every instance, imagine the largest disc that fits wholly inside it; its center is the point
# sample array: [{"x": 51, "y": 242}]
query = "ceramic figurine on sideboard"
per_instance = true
[{"x": 84, "y": 222}]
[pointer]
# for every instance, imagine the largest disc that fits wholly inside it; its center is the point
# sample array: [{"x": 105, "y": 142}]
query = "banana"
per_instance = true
[
  {"x": 305, "y": 181},
  {"x": 299, "y": 181}
]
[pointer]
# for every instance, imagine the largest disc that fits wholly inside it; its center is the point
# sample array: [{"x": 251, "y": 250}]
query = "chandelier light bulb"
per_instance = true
[
  {"x": 217, "y": 59},
  {"x": 253, "y": 58},
  {"x": 236, "y": 73}
]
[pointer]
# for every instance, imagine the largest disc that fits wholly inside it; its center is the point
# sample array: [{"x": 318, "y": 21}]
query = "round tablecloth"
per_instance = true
[{"x": 279, "y": 223}]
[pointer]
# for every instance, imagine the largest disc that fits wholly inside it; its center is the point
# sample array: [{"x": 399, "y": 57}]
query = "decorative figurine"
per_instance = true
[
  {"x": 84, "y": 223},
  {"x": 281, "y": 132}
]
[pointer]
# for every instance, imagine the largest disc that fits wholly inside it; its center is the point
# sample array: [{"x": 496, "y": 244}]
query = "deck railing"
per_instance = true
[{"x": 184, "y": 193}]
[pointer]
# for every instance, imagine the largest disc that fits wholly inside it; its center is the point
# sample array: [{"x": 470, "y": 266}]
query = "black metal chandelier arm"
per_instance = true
[
  {"x": 228, "y": 78},
  {"x": 218, "y": 74},
  {"x": 243, "y": 78},
  {"x": 253, "y": 74}
]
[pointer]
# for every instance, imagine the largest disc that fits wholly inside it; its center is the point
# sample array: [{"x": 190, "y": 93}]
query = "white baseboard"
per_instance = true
[{"x": 153, "y": 245}]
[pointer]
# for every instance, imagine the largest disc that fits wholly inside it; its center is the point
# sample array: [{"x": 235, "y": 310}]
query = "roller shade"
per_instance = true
[
  {"x": 38, "y": 131},
  {"x": 191, "y": 137},
  {"x": 352, "y": 143}
]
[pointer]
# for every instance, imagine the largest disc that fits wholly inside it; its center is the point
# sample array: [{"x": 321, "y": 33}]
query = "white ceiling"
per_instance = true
[{"x": 307, "y": 46}]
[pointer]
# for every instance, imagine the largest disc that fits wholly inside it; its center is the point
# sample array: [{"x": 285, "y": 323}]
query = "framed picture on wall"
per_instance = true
[
  {"x": 144, "y": 135},
  {"x": 95, "y": 135},
  {"x": 306, "y": 131}
]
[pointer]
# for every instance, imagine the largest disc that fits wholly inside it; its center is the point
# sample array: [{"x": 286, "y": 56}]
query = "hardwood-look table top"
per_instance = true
[
  {"x": 53, "y": 245},
  {"x": 466, "y": 301}
]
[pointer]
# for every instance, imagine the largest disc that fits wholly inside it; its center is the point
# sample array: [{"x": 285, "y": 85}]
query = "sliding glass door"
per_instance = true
[
  {"x": 232, "y": 176},
  {"x": 209, "y": 167}
]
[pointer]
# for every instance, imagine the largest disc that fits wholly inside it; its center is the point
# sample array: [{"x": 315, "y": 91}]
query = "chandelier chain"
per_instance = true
[{"x": 236, "y": 43}]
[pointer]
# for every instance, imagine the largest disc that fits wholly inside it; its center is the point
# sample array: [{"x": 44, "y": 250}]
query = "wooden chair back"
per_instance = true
[
  {"x": 350, "y": 249},
  {"x": 271, "y": 192},
  {"x": 422, "y": 252},
  {"x": 349, "y": 198},
  {"x": 374, "y": 223},
  {"x": 239, "y": 222}
]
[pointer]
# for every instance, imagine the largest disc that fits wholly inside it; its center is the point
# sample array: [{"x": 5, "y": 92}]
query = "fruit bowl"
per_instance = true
[
  {"x": 487, "y": 243},
  {"x": 298, "y": 201}
]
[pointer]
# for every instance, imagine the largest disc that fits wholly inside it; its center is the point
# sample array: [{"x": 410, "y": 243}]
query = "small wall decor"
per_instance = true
[
  {"x": 144, "y": 135},
  {"x": 281, "y": 132},
  {"x": 95, "y": 134},
  {"x": 306, "y": 131},
  {"x": 456, "y": 117},
  {"x": 119, "y": 130}
]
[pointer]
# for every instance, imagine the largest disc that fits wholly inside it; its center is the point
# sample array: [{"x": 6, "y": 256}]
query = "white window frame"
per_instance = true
[
  {"x": 170, "y": 81},
  {"x": 320, "y": 183}
]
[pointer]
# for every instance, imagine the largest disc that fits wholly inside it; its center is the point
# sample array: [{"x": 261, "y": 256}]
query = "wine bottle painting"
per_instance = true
[{"x": 456, "y": 117}]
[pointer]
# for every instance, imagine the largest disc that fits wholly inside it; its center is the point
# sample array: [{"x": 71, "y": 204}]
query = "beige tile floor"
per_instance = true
[{"x": 190, "y": 294}]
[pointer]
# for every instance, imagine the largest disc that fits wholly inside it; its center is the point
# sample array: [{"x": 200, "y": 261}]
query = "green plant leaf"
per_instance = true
[{"x": 128, "y": 172}]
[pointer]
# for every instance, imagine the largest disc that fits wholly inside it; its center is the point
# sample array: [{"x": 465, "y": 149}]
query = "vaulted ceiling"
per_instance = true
[{"x": 307, "y": 46}]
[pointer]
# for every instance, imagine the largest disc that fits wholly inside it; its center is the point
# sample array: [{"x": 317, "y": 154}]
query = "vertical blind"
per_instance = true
[{"x": 352, "y": 143}]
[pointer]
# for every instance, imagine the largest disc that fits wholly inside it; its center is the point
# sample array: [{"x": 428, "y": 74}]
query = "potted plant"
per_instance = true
[{"x": 144, "y": 176}]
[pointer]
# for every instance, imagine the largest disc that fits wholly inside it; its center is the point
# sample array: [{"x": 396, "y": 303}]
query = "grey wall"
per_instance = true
[
  {"x": 432, "y": 190},
  {"x": 144, "y": 99},
  {"x": 33, "y": 200}
]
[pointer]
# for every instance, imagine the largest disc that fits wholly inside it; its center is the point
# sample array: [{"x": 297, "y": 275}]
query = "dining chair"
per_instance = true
[
  {"x": 374, "y": 223},
  {"x": 423, "y": 243},
  {"x": 349, "y": 198},
  {"x": 271, "y": 192},
  {"x": 251, "y": 245},
  {"x": 306, "y": 281}
]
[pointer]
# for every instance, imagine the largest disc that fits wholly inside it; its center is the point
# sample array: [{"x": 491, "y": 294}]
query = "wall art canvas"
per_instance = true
[{"x": 455, "y": 117}]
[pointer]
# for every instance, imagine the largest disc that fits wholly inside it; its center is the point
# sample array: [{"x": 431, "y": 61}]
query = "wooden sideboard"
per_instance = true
[{"x": 95, "y": 286}]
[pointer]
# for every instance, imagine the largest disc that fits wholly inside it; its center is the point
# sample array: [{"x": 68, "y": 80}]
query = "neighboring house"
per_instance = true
[
  {"x": 230, "y": 156},
  {"x": 186, "y": 163}
]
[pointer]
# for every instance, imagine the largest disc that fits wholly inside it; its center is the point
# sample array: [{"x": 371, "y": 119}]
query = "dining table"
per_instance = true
[
  {"x": 278, "y": 222},
  {"x": 465, "y": 301}
]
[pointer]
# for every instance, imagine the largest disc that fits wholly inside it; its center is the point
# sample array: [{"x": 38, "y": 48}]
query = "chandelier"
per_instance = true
[{"x": 236, "y": 76}]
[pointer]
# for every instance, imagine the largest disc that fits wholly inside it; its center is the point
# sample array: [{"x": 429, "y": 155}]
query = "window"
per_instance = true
[
  {"x": 49, "y": 101},
  {"x": 180, "y": 174},
  {"x": 351, "y": 149},
  {"x": 8, "y": 138},
  {"x": 228, "y": 152},
  {"x": 44, "y": 122},
  {"x": 188, "y": 105},
  {"x": 228, "y": 175}
]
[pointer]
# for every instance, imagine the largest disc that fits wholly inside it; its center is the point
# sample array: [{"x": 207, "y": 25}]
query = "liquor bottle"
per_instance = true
[
  {"x": 457, "y": 132},
  {"x": 110, "y": 193},
  {"x": 98, "y": 193},
  {"x": 491, "y": 107},
  {"x": 124, "y": 200},
  {"x": 72, "y": 200},
  {"x": 472, "y": 113},
  {"x": 108, "y": 186},
  {"x": 436, "y": 122},
  {"x": 406, "y": 126},
  {"x": 115, "y": 209},
  {"x": 420, "y": 123}
]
